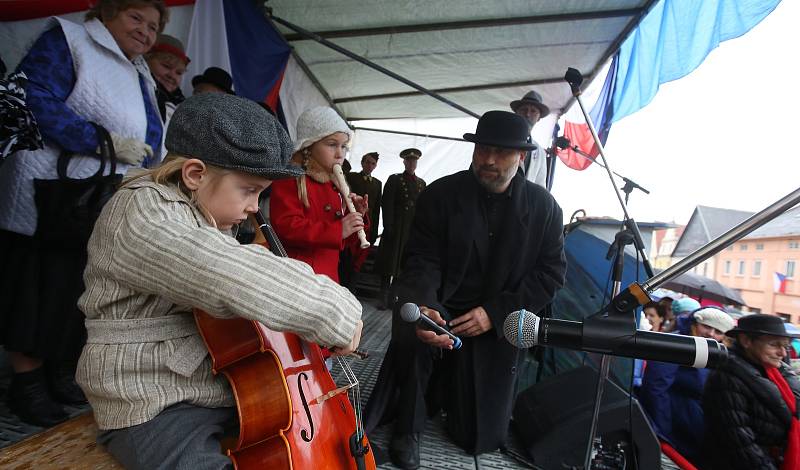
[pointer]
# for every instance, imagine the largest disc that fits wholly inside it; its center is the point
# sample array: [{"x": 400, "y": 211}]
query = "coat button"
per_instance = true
[
  {"x": 513, "y": 370},
  {"x": 327, "y": 208}
]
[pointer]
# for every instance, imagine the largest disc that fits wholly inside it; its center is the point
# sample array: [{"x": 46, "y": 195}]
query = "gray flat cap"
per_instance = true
[{"x": 231, "y": 132}]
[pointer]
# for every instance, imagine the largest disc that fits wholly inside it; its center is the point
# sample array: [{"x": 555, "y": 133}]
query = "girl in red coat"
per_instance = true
[{"x": 308, "y": 212}]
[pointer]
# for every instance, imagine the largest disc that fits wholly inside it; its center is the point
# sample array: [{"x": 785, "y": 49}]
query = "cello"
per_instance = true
[{"x": 292, "y": 415}]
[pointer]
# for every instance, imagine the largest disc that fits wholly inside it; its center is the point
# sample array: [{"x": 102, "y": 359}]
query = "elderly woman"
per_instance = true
[
  {"x": 167, "y": 61},
  {"x": 79, "y": 74},
  {"x": 750, "y": 402}
]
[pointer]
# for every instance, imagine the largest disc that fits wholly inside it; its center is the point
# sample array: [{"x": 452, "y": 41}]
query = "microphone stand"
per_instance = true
[
  {"x": 629, "y": 234},
  {"x": 627, "y": 188}
]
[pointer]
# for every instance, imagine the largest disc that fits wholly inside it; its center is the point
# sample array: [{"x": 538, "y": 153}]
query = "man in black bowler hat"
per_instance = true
[
  {"x": 533, "y": 109},
  {"x": 484, "y": 242},
  {"x": 213, "y": 80}
]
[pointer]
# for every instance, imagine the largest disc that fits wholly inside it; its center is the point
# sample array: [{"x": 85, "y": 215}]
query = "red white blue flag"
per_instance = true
[{"x": 779, "y": 283}]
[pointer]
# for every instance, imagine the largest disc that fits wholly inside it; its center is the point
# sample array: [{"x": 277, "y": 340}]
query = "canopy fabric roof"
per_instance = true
[{"x": 479, "y": 54}]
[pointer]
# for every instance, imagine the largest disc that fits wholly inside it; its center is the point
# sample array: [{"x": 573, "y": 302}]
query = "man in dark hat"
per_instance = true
[
  {"x": 398, "y": 203},
  {"x": 213, "y": 80},
  {"x": 532, "y": 109},
  {"x": 484, "y": 242}
]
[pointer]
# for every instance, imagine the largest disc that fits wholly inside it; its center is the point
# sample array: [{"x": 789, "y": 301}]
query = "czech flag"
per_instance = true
[
  {"x": 779, "y": 283},
  {"x": 236, "y": 36}
]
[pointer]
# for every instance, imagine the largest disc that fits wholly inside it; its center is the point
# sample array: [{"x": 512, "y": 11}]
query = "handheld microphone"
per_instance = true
[
  {"x": 410, "y": 312},
  {"x": 524, "y": 329}
]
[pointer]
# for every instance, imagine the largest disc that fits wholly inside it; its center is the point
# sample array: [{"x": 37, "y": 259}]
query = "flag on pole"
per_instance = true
[
  {"x": 779, "y": 283},
  {"x": 236, "y": 36}
]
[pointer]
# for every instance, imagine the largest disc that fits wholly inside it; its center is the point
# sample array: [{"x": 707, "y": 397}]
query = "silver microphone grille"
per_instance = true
[
  {"x": 409, "y": 312},
  {"x": 521, "y": 334}
]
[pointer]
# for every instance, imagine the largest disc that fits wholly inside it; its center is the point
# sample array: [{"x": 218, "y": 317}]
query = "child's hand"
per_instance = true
[
  {"x": 352, "y": 223},
  {"x": 353, "y": 342},
  {"x": 360, "y": 202}
]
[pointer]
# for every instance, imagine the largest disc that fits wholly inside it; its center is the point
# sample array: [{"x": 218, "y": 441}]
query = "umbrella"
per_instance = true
[{"x": 701, "y": 287}]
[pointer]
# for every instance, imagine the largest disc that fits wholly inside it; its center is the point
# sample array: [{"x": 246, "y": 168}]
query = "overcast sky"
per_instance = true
[{"x": 723, "y": 136}]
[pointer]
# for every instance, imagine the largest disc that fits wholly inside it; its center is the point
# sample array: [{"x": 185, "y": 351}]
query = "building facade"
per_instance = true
[{"x": 763, "y": 267}]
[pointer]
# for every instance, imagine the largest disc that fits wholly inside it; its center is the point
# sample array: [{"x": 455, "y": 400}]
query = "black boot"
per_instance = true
[
  {"x": 62, "y": 386},
  {"x": 404, "y": 450},
  {"x": 29, "y": 400}
]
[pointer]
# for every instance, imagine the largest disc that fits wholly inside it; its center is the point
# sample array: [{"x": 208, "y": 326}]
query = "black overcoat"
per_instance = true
[
  {"x": 524, "y": 271},
  {"x": 398, "y": 203},
  {"x": 747, "y": 419}
]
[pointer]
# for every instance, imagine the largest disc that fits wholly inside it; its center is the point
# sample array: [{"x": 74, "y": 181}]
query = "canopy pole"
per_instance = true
[
  {"x": 387, "y": 131},
  {"x": 368, "y": 63}
]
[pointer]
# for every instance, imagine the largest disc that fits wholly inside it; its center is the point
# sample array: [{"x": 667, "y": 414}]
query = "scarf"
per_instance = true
[{"x": 791, "y": 456}]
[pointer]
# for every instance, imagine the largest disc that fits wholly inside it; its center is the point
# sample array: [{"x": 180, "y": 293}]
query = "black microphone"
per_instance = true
[
  {"x": 410, "y": 312},
  {"x": 524, "y": 329}
]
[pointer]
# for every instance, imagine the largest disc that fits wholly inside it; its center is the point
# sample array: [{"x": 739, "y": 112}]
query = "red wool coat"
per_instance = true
[{"x": 313, "y": 234}]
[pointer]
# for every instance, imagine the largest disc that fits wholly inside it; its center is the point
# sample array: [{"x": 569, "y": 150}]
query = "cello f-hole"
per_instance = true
[{"x": 303, "y": 433}]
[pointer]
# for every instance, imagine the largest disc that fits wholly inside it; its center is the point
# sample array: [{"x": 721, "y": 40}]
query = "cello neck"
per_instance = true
[{"x": 275, "y": 245}]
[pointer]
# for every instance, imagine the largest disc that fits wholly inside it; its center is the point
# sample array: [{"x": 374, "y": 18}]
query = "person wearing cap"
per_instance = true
[
  {"x": 750, "y": 401},
  {"x": 167, "y": 60},
  {"x": 533, "y": 109},
  {"x": 78, "y": 75},
  {"x": 484, "y": 242},
  {"x": 162, "y": 246},
  {"x": 364, "y": 184},
  {"x": 671, "y": 394},
  {"x": 398, "y": 203},
  {"x": 308, "y": 212},
  {"x": 212, "y": 80}
]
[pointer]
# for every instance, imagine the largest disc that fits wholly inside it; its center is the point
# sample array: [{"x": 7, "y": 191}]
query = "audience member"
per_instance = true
[
  {"x": 671, "y": 395},
  {"x": 668, "y": 325},
  {"x": 750, "y": 401},
  {"x": 77, "y": 74},
  {"x": 654, "y": 314},
  {"x": 364, "y": 184}
]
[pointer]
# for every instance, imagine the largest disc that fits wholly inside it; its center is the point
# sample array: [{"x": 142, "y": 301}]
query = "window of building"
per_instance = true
[
  {"x": 759, "y": 246},
  {"x": 755, "y": 310},
  {"x": 740, "y": 271},
  {"x": 705, "y": 269},
  {"x": 743, "y": 247},
  {"x": 730, "y": 248},
  {"x": 790, "y": 268},
  {"x": 727, "y": 267},
  {"x": 757, "y": 268},
  {"x": 786, "y": 317},
  {"x": 794, "y": 244}
]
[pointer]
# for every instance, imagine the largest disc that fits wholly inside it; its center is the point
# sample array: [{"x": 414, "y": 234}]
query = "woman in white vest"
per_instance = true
[{"x": 78, "y": 74}]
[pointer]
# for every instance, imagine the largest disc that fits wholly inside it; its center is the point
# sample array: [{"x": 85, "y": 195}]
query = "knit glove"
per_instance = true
[{"x": 130, "y": 151}]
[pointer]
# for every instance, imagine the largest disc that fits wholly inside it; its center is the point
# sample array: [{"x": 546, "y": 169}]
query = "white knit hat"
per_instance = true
[
  {"x": 715, "y": 318},
  {"x": 317, "y": 123}
]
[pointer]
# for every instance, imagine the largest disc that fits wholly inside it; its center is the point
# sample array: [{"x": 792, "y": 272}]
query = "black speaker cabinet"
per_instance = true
[{"x": 553, "y": 419}]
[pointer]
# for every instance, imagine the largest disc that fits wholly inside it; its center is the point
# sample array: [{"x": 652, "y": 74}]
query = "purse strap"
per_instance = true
[{"x": 107, "y": 153}]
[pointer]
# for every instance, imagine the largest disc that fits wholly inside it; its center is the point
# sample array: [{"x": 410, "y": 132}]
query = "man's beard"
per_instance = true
[{"x": 497, "y": 181}]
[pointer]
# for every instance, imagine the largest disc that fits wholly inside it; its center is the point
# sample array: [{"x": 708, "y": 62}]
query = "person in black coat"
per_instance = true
[
  {"x": 749, "y": 422},
  {"x": 484, "y": 243}
]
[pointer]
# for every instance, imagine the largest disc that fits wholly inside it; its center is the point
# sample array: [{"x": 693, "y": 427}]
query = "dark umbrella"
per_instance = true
[{"x": 701, "y": 287}]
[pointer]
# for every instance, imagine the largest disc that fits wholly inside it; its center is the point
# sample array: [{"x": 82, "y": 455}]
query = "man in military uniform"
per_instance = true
[
  {"x": 398, "y": 203},
  {"x": 364, "y": 184}
]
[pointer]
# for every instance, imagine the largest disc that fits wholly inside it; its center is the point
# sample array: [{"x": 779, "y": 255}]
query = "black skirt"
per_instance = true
[{"x": 39, "y": 289}]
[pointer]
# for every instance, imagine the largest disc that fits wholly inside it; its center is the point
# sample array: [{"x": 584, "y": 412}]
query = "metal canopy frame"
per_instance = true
[{"x": 322, "y": 36}]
